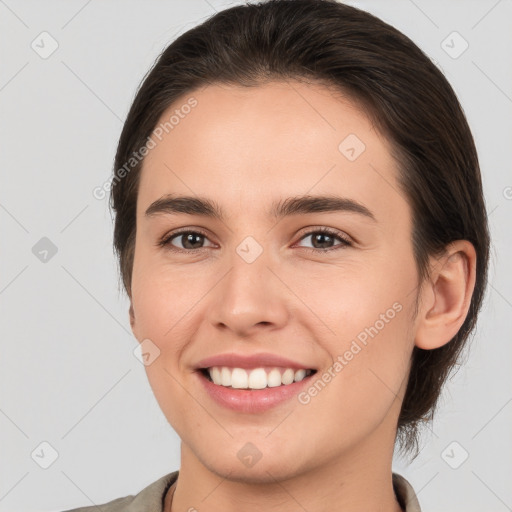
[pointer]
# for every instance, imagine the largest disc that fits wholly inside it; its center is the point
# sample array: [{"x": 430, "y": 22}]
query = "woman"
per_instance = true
[{"x": 302, "y": 234}]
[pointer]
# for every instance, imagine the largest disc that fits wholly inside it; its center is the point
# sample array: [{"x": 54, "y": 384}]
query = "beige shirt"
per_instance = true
[{"x": 152, "y": 497}]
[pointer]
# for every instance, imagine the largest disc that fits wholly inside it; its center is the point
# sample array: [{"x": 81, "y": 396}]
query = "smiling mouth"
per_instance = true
[{"x": 254, "y": 378}]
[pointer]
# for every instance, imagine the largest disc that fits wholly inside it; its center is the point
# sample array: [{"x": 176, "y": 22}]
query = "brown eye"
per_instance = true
[
  {"x": 323, "y": 238},
  {"x": 187, "y": 240}
]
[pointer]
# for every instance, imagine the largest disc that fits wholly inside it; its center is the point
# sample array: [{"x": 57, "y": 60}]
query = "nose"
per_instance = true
[{"x": 249, "y": 298}]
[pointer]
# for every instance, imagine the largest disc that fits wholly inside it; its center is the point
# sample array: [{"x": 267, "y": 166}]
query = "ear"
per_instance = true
[
  {"x": 132, "y": 320},
  {"x": 446, "y": 297}
]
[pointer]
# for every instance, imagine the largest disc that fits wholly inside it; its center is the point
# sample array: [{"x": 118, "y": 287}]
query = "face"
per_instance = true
[{"x": 262, "y": 288}]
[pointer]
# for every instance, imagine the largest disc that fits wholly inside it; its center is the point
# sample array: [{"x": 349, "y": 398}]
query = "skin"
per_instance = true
[{"x": 244, "y": 148}]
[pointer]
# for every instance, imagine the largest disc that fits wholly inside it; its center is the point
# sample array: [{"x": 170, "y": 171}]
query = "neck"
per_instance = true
[{"x": 354, "y": 481}]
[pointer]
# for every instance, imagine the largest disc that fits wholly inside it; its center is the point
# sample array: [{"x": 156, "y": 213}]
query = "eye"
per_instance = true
[
  {"x": 191, "y": 240},
  {"x": 325, "y": 236}
]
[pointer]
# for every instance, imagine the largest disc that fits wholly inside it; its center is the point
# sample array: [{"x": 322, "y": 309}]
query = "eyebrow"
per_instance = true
[{"x": 298, "y": 205}]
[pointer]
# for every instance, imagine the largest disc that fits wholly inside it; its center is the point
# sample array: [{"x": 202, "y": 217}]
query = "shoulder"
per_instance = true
[
  {"x": 149, "y": 499},
  {"x": 405, "y": 494}
]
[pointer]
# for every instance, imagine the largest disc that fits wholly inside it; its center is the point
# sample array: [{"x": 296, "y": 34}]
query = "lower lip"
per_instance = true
[{"x": 252, "y": 401}]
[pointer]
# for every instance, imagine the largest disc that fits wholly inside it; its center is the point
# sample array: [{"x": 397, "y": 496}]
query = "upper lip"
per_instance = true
[{"x": 250, "y": 361}]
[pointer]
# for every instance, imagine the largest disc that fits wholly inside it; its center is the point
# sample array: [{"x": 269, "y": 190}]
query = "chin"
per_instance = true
[
  {"x": 247, "y": 466},
  {"x": 264, "y": 474}
]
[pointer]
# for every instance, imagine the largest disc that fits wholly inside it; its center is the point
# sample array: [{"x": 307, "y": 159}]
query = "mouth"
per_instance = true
[{"x": 253, "y": 379}]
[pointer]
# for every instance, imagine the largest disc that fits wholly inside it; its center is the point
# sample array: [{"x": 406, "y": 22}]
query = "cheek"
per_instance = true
[
  {"x": 371, "y": 340},
  {"x": 165, "y": 307},
  {"x": 161, "y": 312},
  {"x": 377, "y": 357},
  {"x": 352, "y": 396},
  {"x": 162, "y": 298},
  {"x": 177, "y": 404}
]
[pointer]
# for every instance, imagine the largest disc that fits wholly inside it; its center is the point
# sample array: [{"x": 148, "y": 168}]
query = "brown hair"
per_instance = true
[{"x": 398, "y": 87}]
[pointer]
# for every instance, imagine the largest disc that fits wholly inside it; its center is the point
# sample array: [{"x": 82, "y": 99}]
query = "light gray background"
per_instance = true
[{"x": 68, "y": 373}]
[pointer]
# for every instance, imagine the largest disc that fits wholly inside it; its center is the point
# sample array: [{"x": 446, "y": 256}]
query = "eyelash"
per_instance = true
[{"x": 166, "y": 240}]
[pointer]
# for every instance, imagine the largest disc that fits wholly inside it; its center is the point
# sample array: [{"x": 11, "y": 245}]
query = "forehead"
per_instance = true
[{"x": 249, "y": 146}]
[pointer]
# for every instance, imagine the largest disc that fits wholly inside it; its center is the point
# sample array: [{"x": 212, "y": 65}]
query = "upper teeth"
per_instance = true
[{"x": 257, "y": 378}]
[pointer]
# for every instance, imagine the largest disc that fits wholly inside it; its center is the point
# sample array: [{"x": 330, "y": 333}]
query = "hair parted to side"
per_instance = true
[{"x": 397, "y": 86}]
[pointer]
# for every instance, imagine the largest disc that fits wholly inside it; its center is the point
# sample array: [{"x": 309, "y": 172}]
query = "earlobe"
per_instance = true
[{"x": 448, "y": 296}]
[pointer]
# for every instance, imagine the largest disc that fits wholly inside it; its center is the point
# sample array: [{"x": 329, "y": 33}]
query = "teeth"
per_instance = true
[
  {"x": 225, "y": 377},
  {"x": 274, "y": 378},
  {"x": 299, "y": 375},
  {"x": 257, "y": 378},
  {"x": 216, "y": 375},
  {"x": 239, "y": 378},
  {"x": 288, "y": 376}
]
